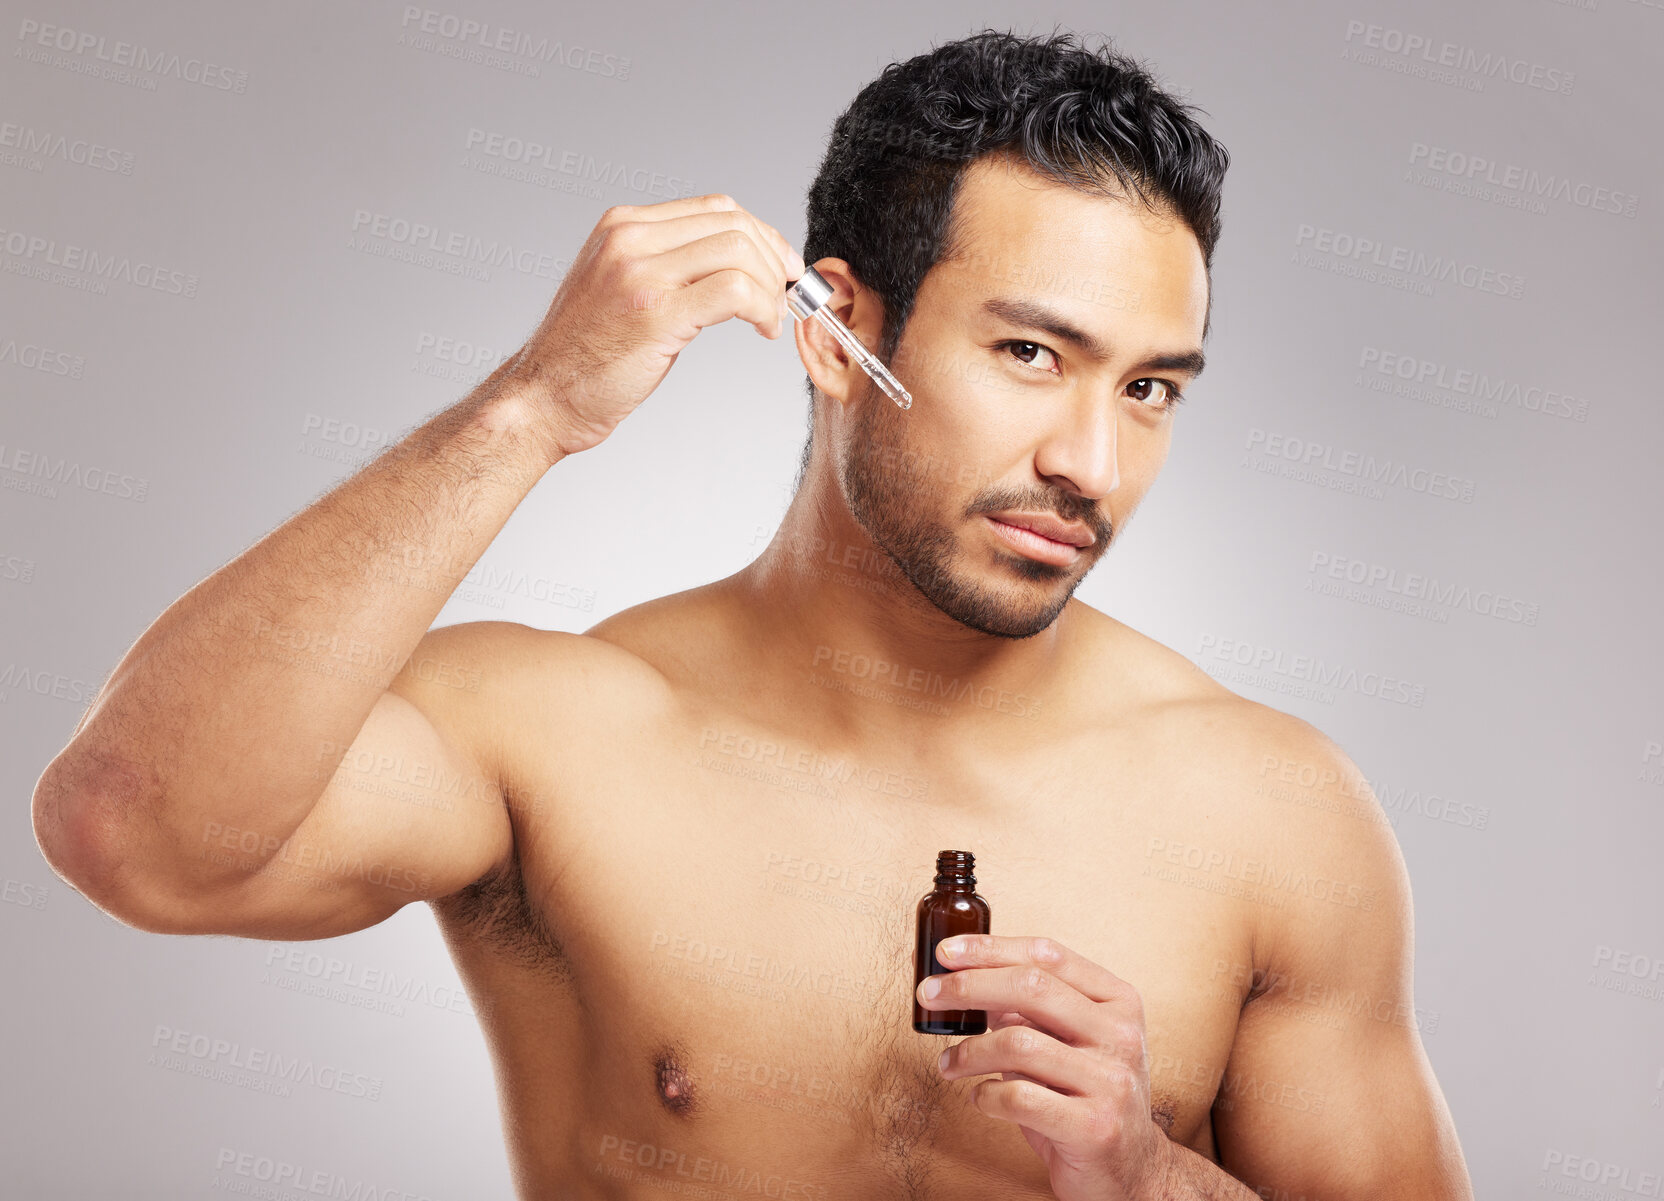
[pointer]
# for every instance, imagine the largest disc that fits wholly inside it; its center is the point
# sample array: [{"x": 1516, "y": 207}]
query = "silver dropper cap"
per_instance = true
[{"x": 808, "y": 293}]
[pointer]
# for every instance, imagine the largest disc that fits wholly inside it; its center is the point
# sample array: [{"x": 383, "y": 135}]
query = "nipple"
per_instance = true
[{"x": 674, "y": 1084}]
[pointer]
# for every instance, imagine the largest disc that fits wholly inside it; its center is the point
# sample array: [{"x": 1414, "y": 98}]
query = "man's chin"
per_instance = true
[
  {"x": 1009, "y": 623},
  {"x": 1009, "y": 564},
  {"x": 993, "y": 602}
]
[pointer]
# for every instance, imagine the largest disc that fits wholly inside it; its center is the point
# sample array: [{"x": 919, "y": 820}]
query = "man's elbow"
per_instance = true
[{"x": 92, "y": 852}]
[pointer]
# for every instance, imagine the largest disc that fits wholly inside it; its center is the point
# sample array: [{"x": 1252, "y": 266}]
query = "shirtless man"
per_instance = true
[{"x": 676, "y": 857}]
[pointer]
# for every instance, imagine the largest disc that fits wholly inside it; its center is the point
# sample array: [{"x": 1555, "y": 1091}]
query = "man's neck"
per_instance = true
[{"x": 825, "y": 602}]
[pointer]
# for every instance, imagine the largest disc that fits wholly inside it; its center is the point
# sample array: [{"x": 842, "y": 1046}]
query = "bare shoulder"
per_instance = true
[
  {"x": 1274, "y": 803},
  {"x": 1271, "y": 781},
  {"x": 505, "y": 658},
  {"x": 508, "y": 690},
  {"x": 676, "y": 634},
  {"x": 1167, "y": 695},
  {"x": 494, "y": 684}
]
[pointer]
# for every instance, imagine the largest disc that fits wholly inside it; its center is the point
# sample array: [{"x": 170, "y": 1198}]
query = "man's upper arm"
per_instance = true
[
  {"x": 1328, "y": 1093},
  {"x": 413, "y": 808}
]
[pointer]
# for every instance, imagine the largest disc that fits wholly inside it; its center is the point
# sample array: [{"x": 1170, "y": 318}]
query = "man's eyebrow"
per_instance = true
[{"x": 1038, "y": 316}]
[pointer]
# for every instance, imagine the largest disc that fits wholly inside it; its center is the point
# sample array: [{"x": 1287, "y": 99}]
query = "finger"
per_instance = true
[
  {"x": 1029, "y": 1053},
  {"x": 1046, "y": 1001},
  {"x": 1046, "y": 1112},
  {"x": 791, "y": 263},
  {"x": 681, "y": 206},
  {"x": 656, "y": 237},
  {"x": 721, "y": 295},
  {"x": 1118, "y": 1035},
  {"x": 997, "y": 1021},
  {"x": 714, "y": 202},
  {"x": 1093, "y": 980},
  {"x": 693, "y": 261},
  {"x": 796, "y": 268}
]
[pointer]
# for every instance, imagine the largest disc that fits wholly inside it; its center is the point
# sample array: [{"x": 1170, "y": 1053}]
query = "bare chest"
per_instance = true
[{"x": 706, "y": 965}]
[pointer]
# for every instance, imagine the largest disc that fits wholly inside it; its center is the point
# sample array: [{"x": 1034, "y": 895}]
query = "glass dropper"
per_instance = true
[{"x": 808, "y": 298}]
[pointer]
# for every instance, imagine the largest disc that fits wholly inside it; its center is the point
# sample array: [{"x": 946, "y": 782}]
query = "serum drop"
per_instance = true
[{"x": 952, "y": 907}]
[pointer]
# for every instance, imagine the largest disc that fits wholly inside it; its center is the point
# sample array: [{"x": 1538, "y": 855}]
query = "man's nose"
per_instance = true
[{"x": 1082, "y": 450}]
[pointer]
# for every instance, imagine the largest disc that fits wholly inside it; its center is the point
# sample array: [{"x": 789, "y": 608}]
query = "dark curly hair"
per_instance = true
[{"x": 1092, "y": 119}]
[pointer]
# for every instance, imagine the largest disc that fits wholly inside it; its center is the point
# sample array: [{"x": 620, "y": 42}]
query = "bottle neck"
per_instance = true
[{"x": 955, "y": 871}]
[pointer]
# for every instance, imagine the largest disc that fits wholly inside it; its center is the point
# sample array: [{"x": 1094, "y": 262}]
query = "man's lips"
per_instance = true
[
  {"x": 1053, "y": 529},
  {"x": 1037, "y": 543}
]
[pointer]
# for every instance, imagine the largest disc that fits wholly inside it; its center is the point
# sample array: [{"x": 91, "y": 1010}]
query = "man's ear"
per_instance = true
[{"x": 828, "y": 364}]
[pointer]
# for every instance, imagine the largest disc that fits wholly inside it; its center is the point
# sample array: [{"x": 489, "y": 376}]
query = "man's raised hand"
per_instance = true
[{"x": 646, "y": 281}]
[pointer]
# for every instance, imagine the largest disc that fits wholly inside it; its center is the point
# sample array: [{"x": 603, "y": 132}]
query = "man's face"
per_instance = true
[{"x": 1012, "y": 420}]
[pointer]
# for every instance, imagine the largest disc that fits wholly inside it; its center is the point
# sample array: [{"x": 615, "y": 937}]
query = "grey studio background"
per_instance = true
[{"x": 1426, "y": 450}]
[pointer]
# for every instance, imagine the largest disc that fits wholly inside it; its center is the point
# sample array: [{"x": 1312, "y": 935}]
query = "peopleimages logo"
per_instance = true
[
  {"x": 266, "y": 1176},
  {"x": 1314, "y": 456},
  {"x": 417, "y": 242},
  {"x": 1415, "y": 586},
  {"x": 1369, "y": 43},
  {"x": 932, "y": 685},
  {"x": 25, "y": 470},
  {"x": 32, "y": 357},
  {"x": 257, "y": 1068},
  {"x": 529, "y": 152},
  {"x": 1618, "y": 1179},
  {"x": 21, "y": 677},
  {"x": 36, "y": 40},
  {"x": 29, "y": 142},
  {"x": 1445, "y": 164},
  {"x": 302, "y": 969},
  {"x": 467, "y": 36},
  {"x": 32, "y": 253},
  {"x": 1410, "y": 374},
  {"x": 1272, "y": 667},
  {"x": 1416, "y": 264}
]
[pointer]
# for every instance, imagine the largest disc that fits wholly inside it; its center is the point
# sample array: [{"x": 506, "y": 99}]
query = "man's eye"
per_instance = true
[
  {"x": 1024, "y": 352},
  {"x": 1170, "y": 392}
]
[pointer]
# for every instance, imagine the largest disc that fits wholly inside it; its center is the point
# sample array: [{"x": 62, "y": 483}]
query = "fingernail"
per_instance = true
[
  {"x": 942, "y": 1062},
  {"x": 932, "y": 986},
  {"x": 949, "y": 948}
]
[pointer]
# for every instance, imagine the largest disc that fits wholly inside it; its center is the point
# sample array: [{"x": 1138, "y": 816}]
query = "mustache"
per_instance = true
[{"x": 1066, "y": 505}]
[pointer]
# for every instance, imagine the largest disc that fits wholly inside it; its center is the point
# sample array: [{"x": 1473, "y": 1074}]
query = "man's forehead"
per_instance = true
[
  {"x": 1105, "y": 259},
  {"x": 1013, "y": 209}
]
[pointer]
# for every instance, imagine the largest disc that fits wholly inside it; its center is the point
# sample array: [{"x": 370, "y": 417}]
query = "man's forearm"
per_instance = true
[{"x": 1189, "y": 1177}]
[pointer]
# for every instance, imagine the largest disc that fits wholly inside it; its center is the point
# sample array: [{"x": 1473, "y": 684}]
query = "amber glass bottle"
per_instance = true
[{"x": 953, "y": 907}]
